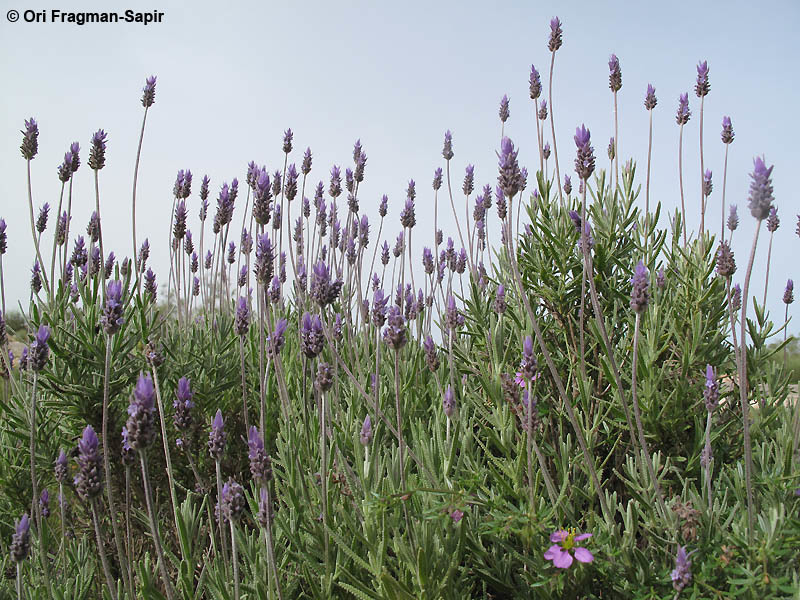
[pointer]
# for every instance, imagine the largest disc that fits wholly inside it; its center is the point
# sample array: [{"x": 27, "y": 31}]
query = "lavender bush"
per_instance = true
[{"x": 569, "y": 397}]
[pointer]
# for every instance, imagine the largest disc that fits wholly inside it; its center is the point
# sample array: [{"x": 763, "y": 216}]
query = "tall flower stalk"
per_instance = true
[
  {"x": 760, "y": 203},
  {"x": 29, "y": 149},
  {"x": 140, "y": 431},
  {"x": 773, "y": 222},
  {"x": 701, "y": 88},
  {"x": 727, "y": 137},
  {"x": 112, "y": 320},
  {"x": 682, "y": 118},
  {"x": 148, "y": 98},
  {"x": 553, "y": 44},
  {"x": 615, "y": 84},
  {"x": 650, "y": 102}
]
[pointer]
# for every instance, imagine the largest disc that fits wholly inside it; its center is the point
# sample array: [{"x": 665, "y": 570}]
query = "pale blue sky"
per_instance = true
[{"x": 232, "y": 76}]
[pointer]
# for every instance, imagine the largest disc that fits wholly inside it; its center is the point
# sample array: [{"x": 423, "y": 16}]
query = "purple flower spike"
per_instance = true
[
  {"x": 535, "y": 83},
  {"x": 366, "y": 431},
  {"x": 39, "y": 349},
  {"x": 112, "y": 318},
  {"x": 736, "y": 298},
  {"x": 150, "y": 287},
  {"x": 216, "y": 439},
  {"x": 97, "y": 153},
  {"x": 88, "y": 482},
  {"x": 447, "y": 150},
  {"x": 41, "y": 220},
  {"x": 288, "y": 136},
  {"x": 615, "y": 74},
  {"x": 242, "y": 317},
  {"x": 761, "y": 195},
  {"x": 682, "y": 573},
  {"x": 726, "y": 263},
  {"x": 449, "y": 402},
  {"x": 554, "y": 43},
  {"x": 30, "y": 139},
  {"x": 277, "y": 338},
  {"x": 733, "y": 219},
  {"x": 640, "y": 295},
  {"x": 542, "y": 114},
  {"x": 707, "y": 185},
  {"x": 702, "y": 87},
  {"x": 509, "y": 178},
  {"x": 305, "y": 167},
  {"x": 183, "y": 406},
  {"x": 395, "y": 333},
  {"x": 650, "y": 99},
  {"x": 567, "y": 185},
  {"x": 3, "y": 237},
  {"x": 44, "y": 503},
  {"x": 260, "y": 464},
  {"x": 773, "y": 222},
  {"x": 21, "y": 540},
  {"x": 683, "y": 109},
  {"x": 504, "y": 113},
  {"x": 233, "y": 501},
  {"x": 711, "y": 389},
  {"x": 563, "y": 548},
  {"x": 584, "y": 161},
  {"x": 149, "y": 92},
  {"x": 60, "y": 469},
  {"x": 140, "y": 424},
  {"x": 788, "y": 294},
  {"x": 528, "y": 366},
  {"x": 312, "y": 338},
  {"x": 727, "y": 130}
]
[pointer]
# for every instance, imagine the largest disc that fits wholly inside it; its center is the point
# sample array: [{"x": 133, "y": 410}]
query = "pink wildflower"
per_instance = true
[
  {"x": 563, "y": 543},
  {"x": 456, "y": 515}
]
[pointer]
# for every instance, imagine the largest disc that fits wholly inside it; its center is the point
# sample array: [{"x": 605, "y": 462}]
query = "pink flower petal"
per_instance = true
[
  {"x": 552, "y": 552},
  {"x": 558, "y": 536},
  {"x": 583, "y": 555},
  {"x": 563, "y": 560},
  {"x": 583, "y": 536}
]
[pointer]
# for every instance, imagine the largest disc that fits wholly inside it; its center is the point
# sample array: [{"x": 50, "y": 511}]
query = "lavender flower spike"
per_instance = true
[
  {"x": 260, "y": 464},
  {"x": 30, "y": 139},
  {"x": 702, "y": 87},
  {"x": 449, "y": 402},
  {"x": 761, "y": 195},
  {"x": 727, "y": 130},
  {"x": 788, "y": 294},
  {"x": 366, "y": 431},
  {"x": 711, "y": 389},
  {"x": 650, "y": 99},
  {"x": 555, "y": 41},
  {"x": 112, "y": 318},
  {"x": 640, "y": 295},
  {"x": 88, "y": 482},
  {"x": 683, "y": 109},
  {"x": 733, "y": 218},
  {"x": 682, "y": 573},
  {"x": 504, "y": 113},
  {"x": 97, "y": 153},
  {"x": 21, "y": 540},
  {"x": 39, "y": 349},
  {"x": 584, "y": 161},
  {"x": 615, "y": 74},
  {"x": 140, "y": 425},
  {"x": 149, "y": 92},
  {"x": 216, "y": 439}
]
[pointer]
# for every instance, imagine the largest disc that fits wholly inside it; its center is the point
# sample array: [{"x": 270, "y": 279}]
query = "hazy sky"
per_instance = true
[{"x": 233, "y": 75}]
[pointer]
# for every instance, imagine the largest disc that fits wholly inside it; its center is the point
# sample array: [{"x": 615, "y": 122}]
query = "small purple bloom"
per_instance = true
[
  {"x": 761, "y": 194},
  {"x": 640, "y": 295},
  {"x": 615, "y": 74},
  {"x": 702, "y": 87},
  {"x": 563, "y": 548},
  {"x": 149, "y": 92},
  {"x": 447, "y": 150}
]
